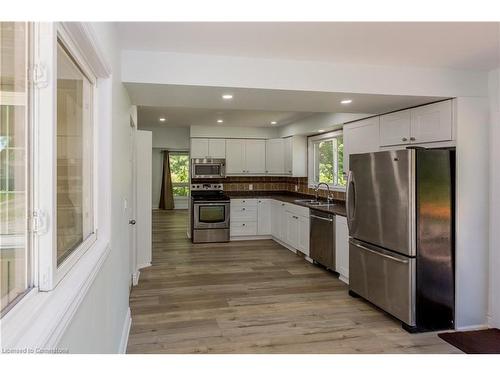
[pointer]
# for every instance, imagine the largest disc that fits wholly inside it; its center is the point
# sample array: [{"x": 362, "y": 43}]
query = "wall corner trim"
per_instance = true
[{"x": 125, "y": 332}]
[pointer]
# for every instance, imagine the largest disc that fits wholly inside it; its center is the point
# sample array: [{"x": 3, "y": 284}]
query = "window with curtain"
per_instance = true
[
  {"x": 179, "y": 171},
  {"x": 326, "y": 160}
]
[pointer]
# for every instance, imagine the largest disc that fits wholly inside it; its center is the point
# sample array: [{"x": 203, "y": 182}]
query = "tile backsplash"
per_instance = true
[{"x": 268, "y": 183}]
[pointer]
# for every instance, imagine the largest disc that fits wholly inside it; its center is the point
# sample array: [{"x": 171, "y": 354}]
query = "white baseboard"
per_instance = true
[
  {"x": 141, "y": 266},
  {"x": 343, "y": 279},
  {"x": 135, "y": 277},
  {"x": 125, "y": 332},
  {"x": 473, "y": 327}
]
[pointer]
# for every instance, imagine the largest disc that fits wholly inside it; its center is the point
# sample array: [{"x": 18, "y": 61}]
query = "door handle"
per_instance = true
[
  {"x": 379, "y": 253},
  {"x": 350, "y": 200},
  {"x": 132, "y": 222}
]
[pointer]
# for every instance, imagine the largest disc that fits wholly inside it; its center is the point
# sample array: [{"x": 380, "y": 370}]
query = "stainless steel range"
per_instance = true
[{"x": 210, "y": 209}]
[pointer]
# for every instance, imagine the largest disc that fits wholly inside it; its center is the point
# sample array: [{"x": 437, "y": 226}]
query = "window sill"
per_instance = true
[{"x": 40, "y": 319}]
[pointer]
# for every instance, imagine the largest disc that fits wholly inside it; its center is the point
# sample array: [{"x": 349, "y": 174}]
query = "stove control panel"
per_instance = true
[{"x": 213, "y": 187}]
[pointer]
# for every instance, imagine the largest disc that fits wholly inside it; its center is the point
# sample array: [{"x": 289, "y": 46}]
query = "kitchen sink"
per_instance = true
[{"x": 308, "y": 201}]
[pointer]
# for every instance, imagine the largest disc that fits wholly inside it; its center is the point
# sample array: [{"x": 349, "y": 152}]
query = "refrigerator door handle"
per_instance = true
[
  {"x": 357, "y": 244},
  {"x": 350, "y": 200}
]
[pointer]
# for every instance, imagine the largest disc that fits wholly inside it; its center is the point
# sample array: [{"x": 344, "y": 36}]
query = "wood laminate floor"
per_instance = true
[{"x": 253, "y": 297}]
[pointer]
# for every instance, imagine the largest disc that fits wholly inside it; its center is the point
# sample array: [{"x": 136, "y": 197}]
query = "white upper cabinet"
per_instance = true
[
  {"x": 202, "y": 148},
  {"x": 295, "y": 153},
  {"x": 235, "y": 156},
  {"x": 245, "y": 156},
  {"x": 217, "y": 148},
  {"x": 395, "y": 128},
  {"x": 199, "y": 148},
  {"x": 275, "y": 156},
  {"x": 432, "y": 123},
  {"x": 360, "y": 137},
  {"x": 255, "y": 156}
]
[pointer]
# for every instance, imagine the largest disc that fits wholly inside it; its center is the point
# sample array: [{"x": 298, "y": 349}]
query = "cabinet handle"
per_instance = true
[
  {"x": 295, "y": 217},
  {"x": 243, "y": 209},
  {"x": 412, "y": 139},
  {"x": 404, "y": 139},
  {"x": 244, "y": 224}
]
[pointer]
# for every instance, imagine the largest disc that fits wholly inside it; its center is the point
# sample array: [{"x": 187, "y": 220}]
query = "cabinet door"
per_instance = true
[
  {"x": 292, "y": 230},
  {"x": 255, "y": 156},
  {"x": 276, "y": 219},
  {"x": 395, "y": 128},
  {"x": 235, "y": 156},
  {"x": 217, "y": 148},
  {"x": 342, "y": 247},
  {"x": 264, "y": 217},
  {"x": 303, "y": 241},
  {"x": 288, "y": 155},
  {"x": 199, "y": 148},
  {"x": 360, "y": 137},
  {"x": 431, "y": 123},
  {"x": 275, "y": 156}
]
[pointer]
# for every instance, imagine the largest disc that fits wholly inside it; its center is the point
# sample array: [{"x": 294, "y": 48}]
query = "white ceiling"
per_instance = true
[
  {"x": 185, "y": 116},
  {"x": 455, "y": 45},
  {"x": 201, "y": 105}
]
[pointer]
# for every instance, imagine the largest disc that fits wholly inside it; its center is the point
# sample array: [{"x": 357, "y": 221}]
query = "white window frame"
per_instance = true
[
  {"x": 45, "y": 130},
  {"x": 312, "y": 181},
  {"x": 40, "y": 318}
]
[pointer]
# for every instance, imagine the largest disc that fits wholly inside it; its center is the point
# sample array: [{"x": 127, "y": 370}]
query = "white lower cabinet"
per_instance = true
[
  {"x": 303, "y": 244},
  {"x": 263, "y": 217},
  {"x": 244, "y": 214},
  {"x": 286, "y": 222},
  {"x": 342, "y": 248}
]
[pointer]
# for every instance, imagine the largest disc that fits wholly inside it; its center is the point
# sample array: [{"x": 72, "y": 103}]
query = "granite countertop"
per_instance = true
[{"x": 337, "y": 208}]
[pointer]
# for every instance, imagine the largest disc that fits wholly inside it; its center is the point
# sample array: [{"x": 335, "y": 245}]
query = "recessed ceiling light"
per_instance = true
[
  {"x": 162, "y": 119},
  {"x": 320, "y": 131},
  {"x": 220, "y": 121},
  {"x": 273, "y": 122},
  {"x": 346, "y": 101},
  {"x": 227, "y": 96}
]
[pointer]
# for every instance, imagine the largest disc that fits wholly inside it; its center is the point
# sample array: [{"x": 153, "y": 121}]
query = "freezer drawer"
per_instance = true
[{"x": 384, "y": 278}]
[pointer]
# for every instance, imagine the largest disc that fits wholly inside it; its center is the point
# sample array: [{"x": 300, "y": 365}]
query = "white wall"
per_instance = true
[
  {"x": 472, "y": 212},
  {"x": 168, "y": 137},
  {"x": 494, "y": 89},
  {"x": 226, "y": 71},
  {"x": 233, "y": 132},
  {"x": 324, "y": 121},
  {"x": 102, "y": 318}
]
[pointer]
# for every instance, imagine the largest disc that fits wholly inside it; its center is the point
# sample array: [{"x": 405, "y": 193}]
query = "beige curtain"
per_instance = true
[{"x": 166, "y": 194}]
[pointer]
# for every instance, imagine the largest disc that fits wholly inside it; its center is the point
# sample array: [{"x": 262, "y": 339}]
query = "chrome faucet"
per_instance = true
[{"x": 316, "y": 189}]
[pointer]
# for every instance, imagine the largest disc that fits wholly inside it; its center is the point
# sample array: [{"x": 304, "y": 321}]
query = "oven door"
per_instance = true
[
  {"x": 211, "y": 215},
  {"x": 208, "y": 170}
]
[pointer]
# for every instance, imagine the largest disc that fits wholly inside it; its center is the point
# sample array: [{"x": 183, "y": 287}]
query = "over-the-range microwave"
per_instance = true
[{"x": 208, "y": 168}]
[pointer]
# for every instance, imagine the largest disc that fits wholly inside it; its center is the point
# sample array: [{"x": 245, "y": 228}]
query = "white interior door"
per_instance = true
[
  {"x": 132, "y": 212},
  {"x": 143, "y": 191}
]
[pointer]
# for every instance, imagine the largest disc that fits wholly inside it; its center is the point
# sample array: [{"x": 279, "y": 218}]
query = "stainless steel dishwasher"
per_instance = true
[{"x": 322, "y": 238}]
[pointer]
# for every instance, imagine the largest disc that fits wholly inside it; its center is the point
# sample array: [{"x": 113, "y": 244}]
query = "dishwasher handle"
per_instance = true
[{"x": 321, "y": 218}]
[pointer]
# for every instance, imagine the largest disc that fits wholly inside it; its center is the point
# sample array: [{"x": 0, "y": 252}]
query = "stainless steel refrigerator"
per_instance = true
[{"x": 400, "y": 213}]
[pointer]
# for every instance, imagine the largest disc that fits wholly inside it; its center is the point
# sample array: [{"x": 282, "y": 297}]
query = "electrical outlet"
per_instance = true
[
  {"x": 296, "y": 187},
  {"x": 250, "y": 186}
]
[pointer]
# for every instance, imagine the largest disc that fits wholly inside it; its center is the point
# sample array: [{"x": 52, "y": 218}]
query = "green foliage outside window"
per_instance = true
[
  {"x": 179, "y": 171},
  {"x": 330, "y": 161}
]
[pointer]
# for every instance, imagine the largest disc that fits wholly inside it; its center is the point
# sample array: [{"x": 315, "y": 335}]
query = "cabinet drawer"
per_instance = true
[
  {"x": 244, "y": 202},
  {"x": 297, "y": 210},
  {"x": 243, "y": 213},
  {"x": 243, "y": 228}
]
